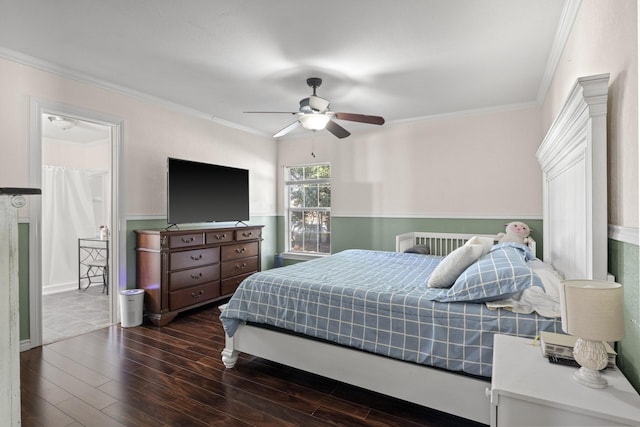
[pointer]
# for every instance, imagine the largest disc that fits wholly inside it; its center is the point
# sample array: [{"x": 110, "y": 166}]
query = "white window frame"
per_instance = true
[{"x": 299, "y": 254}]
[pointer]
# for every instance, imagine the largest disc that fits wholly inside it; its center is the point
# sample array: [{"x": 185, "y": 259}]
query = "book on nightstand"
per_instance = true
[{"x": 559, "y": 348}]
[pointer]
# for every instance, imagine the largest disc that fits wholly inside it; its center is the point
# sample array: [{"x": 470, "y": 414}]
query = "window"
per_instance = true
[{"x": 308, "y": 213}]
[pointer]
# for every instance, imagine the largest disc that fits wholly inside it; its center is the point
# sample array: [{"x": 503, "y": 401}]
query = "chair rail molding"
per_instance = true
[{"x": 628, "y": 235}]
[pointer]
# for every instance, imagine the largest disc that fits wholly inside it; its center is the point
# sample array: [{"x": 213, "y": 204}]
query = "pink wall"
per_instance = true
[
  {"x": 152, "y": 133},
  {"x": 604, "y": 39},
  {"x": 472, "y": 165}
]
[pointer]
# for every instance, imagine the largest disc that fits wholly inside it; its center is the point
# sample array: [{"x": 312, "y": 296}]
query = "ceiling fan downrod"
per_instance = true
[{"x": 314, "y": 82}]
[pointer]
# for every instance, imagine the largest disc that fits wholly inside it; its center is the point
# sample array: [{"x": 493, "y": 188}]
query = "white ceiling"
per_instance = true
[{"x": 401, "y": 59}]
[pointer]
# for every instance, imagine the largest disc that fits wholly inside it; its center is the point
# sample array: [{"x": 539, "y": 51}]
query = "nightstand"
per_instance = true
[{"x": 528, "y": 390}]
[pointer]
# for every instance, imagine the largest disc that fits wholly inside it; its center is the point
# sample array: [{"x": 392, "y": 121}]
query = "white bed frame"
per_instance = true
[
  {"x": 573, "y": 159},
  {"x": 442, "y": 243}
]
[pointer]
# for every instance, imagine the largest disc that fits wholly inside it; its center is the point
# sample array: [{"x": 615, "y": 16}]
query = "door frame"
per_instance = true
[{"x": 117, "y": 266}]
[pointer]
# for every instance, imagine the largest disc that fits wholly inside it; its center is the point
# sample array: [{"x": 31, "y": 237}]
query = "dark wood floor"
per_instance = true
[{"x": 173, "y": 376}]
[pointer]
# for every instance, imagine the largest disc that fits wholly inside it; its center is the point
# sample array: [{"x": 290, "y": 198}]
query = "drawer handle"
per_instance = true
[
  {"x": 196, "y": 258},
  {"x": 196, "y": 276},
  {"x": 198, "y": 294},
  {"x": 189, "y": 240},
  {"x": 241, "y": 266},
  {"x": 241, "y": 251},
  {"x": 247, "y": 234},
  {"x": 221, "y": 236}
]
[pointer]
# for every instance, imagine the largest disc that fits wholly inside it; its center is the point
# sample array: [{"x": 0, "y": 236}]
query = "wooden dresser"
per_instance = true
[{"x": 183, "y": 269}]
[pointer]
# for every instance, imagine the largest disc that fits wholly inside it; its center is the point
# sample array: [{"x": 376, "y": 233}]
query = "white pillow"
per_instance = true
[
  {"x": 549, "y": 276},
  {"x": 454, "y": 264},
  {"x": 486, "y": 243}
]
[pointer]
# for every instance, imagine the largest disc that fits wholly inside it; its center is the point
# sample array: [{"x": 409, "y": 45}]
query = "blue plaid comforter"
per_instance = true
[{"x": 378, "y": 302}]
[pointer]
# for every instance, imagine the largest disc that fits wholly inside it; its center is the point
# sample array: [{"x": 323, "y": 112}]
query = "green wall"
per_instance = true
[
  {"x": 623, "y": 264},
  {"x": 23, "y": 280},
  {"x": 380, "y": 233}
]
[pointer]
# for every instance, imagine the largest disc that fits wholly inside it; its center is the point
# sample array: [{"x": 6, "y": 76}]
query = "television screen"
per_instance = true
[{"x": 203, "y": 192}]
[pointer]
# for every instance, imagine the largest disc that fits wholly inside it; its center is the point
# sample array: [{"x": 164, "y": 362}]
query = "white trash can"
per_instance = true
[{"x": 131, "y": 307}]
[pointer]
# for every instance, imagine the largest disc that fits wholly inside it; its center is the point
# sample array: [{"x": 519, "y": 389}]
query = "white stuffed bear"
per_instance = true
[{"x": 517, "y": 232}]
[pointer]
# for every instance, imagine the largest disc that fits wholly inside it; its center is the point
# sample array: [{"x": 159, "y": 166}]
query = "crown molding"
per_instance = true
[
  {"x": 567, "y": 18},
  {"x": 71, "y": 74}
]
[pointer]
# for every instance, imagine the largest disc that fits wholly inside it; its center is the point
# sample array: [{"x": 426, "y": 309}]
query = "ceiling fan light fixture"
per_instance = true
[
  {"x": 318, "y": 104},
  {"x": 62, "y": 123},
  {"x": 314, "y": 121}
]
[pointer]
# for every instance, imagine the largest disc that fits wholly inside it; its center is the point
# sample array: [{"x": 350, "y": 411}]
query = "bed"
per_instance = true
[{"x": 571, "y": 157}]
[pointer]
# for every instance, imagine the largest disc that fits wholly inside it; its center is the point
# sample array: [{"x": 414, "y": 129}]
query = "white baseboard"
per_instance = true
[{"x": 59, "y": 287}]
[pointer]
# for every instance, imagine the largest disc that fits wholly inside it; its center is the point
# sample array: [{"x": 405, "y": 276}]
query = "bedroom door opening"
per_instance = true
[
  {"x": 75, "y": 228},
  {"x": 75, "y": 208}
]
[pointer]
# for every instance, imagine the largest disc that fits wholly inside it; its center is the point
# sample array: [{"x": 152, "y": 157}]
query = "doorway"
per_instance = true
[
  {"x": 76, "y": 199},
  {"x": 75, "y": 227}
]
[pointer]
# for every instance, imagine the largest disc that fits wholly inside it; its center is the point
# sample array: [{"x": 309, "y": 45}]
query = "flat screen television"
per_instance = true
[{"x": 204, "y": 192}]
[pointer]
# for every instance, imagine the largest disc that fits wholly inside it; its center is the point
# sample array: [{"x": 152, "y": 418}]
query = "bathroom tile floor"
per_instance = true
[{"x": 72, "y": 313}]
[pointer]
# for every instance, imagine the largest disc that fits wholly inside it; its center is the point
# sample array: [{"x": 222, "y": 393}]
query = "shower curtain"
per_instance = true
[{"x": 67, "y": 214}]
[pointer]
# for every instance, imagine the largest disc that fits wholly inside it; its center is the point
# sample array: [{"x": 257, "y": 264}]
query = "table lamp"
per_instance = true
[{"x": 592, "y": 311}]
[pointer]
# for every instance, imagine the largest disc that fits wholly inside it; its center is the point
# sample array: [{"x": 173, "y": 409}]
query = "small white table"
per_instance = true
[{"x": 528, "y": 390}]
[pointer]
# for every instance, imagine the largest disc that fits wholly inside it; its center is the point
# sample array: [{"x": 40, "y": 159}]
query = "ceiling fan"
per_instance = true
[{"x": 314, "y": 114}]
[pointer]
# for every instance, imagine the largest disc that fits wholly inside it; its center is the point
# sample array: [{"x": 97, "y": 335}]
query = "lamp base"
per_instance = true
[
  {"x": 592, "y": 357},
  {"x": 590, "y": 378}
]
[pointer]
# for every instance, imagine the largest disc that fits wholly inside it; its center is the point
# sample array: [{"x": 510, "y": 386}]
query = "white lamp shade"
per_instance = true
[
  {"x": 313, "y": 121},
  {"x": 592, "y": 309}
]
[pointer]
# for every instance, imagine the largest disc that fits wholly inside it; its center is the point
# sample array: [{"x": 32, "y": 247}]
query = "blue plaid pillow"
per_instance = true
[{"x": 501, "y": 273}]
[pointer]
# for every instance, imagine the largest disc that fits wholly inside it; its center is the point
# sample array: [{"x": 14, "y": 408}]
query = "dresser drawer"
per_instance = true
[
  {"x": 229, "y": 286},
  {"x": 239, "y": 266},
  {"x": 249, "y": 234},
  {"x": 193, "y": 258},
  {"x": 240, "y": 250},
  {"x": 186, "y": 240},
  {"x": 194, "y": 276},
  {"x": 193, "y": 295},
  {"x": 214, "y": 237}
]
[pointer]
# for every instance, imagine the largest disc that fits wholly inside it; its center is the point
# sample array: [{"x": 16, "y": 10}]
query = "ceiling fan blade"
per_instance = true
[
  {"x": 362, "y": 118},
  {"x": 337, "y": 130},
  {"x": 287, "y": 129}
]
